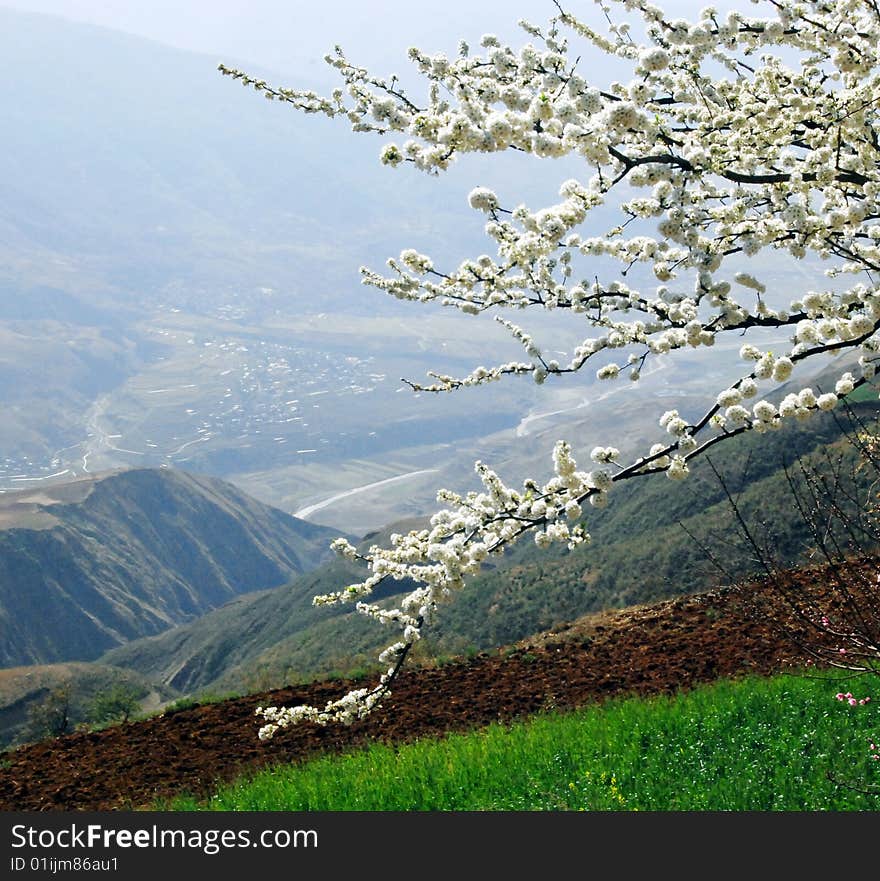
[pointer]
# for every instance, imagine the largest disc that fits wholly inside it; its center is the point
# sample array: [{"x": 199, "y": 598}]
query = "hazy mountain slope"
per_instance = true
[
  {"x": 138, "y": 166},
  {"x": 640, "y": 553},
  {"x": 91, "y": 564},
  {"x": 146, "y": 166},
  {"x": 191, "y": 656}
]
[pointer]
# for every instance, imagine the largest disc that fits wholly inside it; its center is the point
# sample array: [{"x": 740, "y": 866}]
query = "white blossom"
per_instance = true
[
  {"x": 677, "y": 469},
  {"x": 844, "y": 385},
  {"x": 806, "y": 398},
  {"x": 483, "y": 199},
  {"x": 729, "y": 397},
  {"x": 749, "y": 387},
  {"x": 653, "y": 60},
  {"x": 782, "y": 369},
  {"x": 605, "y": 454},
  {"x": 733, "y": 141},
  {"x": 736, "y": 414},
  {"x": 764, "y": 411}
]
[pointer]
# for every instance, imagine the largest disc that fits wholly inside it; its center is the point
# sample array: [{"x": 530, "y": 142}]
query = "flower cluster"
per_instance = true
[
  {"x": 736, "y": 135},
  {"x": 852, "y": 701}
]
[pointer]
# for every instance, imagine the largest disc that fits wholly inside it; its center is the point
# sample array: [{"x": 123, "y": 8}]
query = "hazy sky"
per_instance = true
[{"x": 291, "y": 36}]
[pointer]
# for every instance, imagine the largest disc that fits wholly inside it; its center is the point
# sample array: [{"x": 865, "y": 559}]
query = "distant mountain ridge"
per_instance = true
[
  {"x": 149, "y": 175},
  {"x": 92, "y": 564}
]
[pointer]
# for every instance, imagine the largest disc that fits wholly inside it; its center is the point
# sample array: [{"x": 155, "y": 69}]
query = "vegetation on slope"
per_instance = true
[
  {"x": 654, "y": 540},
  {"x": 754, "y": 744},
  {"x": 37, "y": 702},
  {"x": 657, "y": 649}
]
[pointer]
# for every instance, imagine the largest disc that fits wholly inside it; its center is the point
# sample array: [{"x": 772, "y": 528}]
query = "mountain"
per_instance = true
[
  {"x": 148, "y": 173},
  {"x": 147, "y": 184},
  {"x": 149, "y": 176},
  {"x": 232, "y": 638},
  {"x": 93, "y": 563},
  {"x": 649, "y": 544}
]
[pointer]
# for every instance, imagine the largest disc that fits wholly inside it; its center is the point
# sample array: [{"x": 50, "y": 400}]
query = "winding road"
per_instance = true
[{"x": 304, "y": 513}]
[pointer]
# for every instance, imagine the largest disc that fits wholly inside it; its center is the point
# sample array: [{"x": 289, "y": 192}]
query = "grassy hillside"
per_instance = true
[
  {"x": 659, "y": 649},
  {"x": 749, "y": 745},
  {"x": 641, "y": 551},
  {"x": 92, "y": 564}
]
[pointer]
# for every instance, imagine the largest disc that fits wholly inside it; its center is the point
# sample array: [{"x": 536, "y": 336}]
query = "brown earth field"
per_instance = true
[{"x": 644, "y": 650}]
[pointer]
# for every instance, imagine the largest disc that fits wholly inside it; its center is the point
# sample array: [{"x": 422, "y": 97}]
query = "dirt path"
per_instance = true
[{"x": 649, "y": 650}]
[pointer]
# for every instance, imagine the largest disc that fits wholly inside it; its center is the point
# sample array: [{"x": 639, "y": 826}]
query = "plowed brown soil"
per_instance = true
[{"x": 648, "y": 650}]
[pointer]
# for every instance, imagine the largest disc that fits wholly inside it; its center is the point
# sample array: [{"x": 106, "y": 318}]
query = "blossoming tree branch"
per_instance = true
[{"x": 735, "y": 135}]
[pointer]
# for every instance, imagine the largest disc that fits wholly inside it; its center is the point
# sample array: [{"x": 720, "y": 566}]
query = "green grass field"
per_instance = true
[{"x": 747, "y": 745}]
